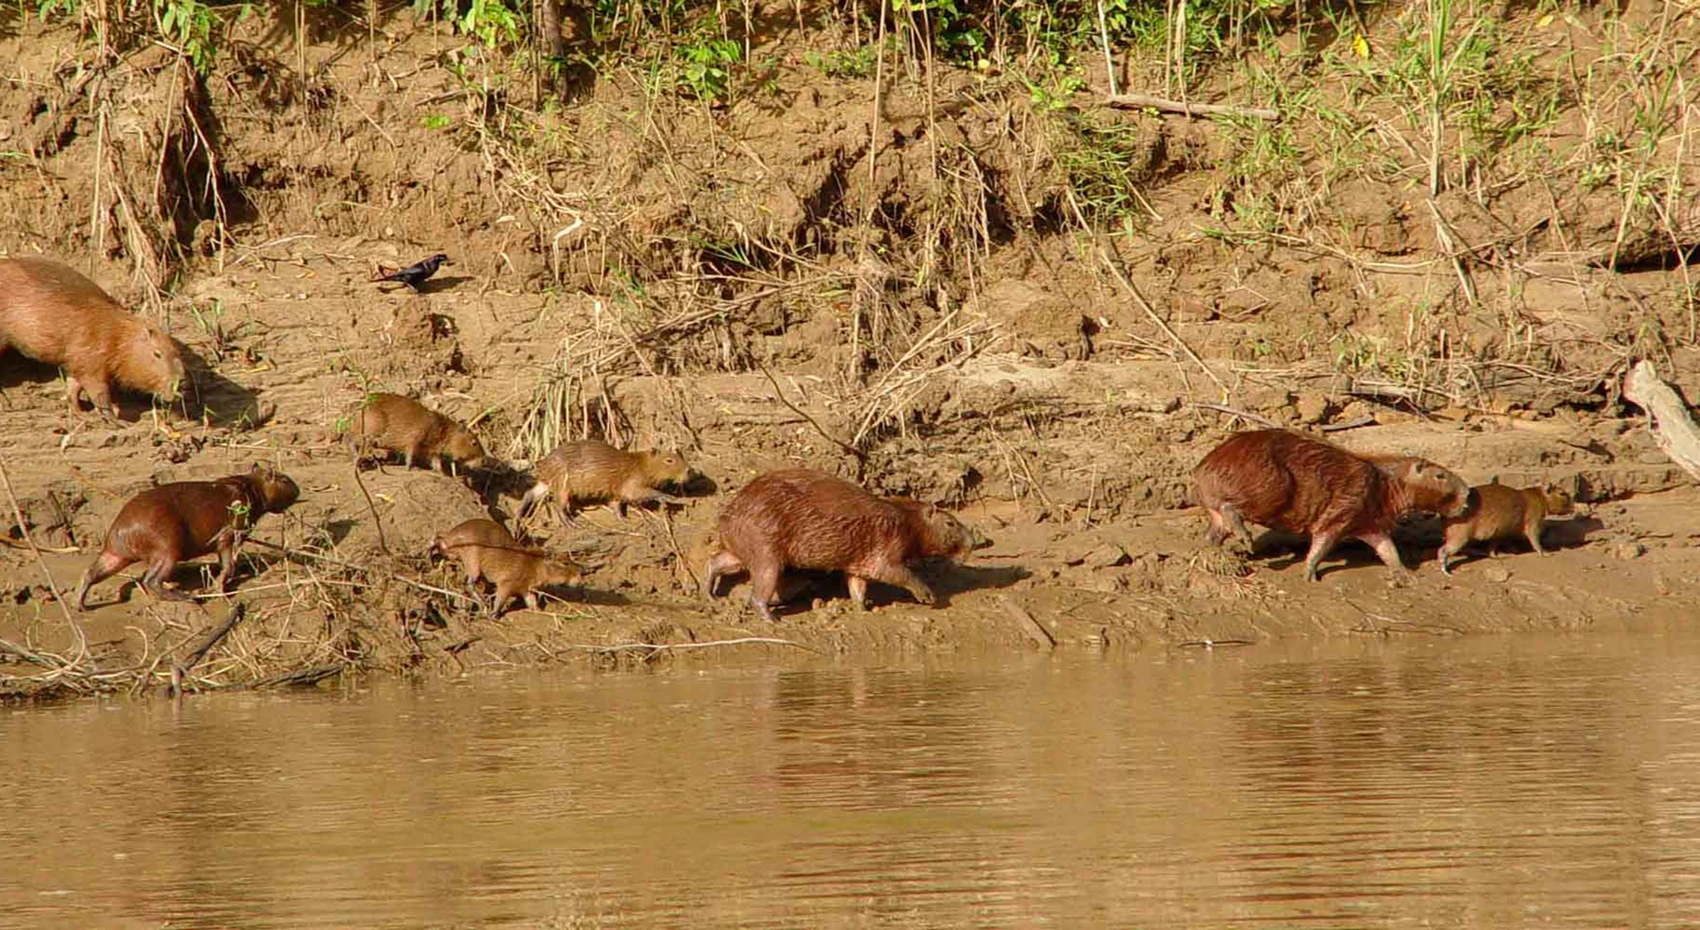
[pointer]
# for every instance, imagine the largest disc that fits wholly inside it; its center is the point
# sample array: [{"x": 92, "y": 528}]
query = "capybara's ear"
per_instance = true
[{"x": 257, "y": 469}]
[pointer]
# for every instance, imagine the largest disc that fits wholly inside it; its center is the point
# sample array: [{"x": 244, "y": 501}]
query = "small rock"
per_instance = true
[
  {"x": 1312, "y": 406},
  {"x": 1630, "y": 550},
  {"x": 1108, "y": 556}
]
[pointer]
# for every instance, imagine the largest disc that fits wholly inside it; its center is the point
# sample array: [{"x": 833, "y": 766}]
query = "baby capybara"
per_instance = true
[
  {"x": 1498, "y": 512},
  {"x": 395, "y": 423},
  {"x": 52, "y": 314},
  {"x": 590, "y": 471},
  {"x": 798, "y": 518},
  {"x": 185, "y": 519},
  {"x": 1291, "y": 482},
  {"x": 487, "y": 550}
]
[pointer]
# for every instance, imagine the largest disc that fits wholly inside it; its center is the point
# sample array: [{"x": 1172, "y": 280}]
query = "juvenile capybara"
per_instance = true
[
  {"x": 591, "y": 471},
  {"x": 185, "y": 519},
  {"x": 395, "y": 423},
  {"x": 1297, "y": 484},
  {"x": 798, "y": 518},
  {"x": 50, "y": 313},
  {"x": 487, "y": 550},
  {"x": 1497, "y": 512}
]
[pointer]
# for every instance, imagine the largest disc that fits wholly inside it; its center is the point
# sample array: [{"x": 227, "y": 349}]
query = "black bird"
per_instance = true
[{"x": 412, "y": 275}]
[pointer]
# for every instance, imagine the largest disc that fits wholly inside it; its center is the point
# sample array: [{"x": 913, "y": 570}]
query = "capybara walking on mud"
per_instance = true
[
  {"x": 591, "y": 471},
  {"x": 185, "y": 519},
  {"x": 395, "y": 423},
  {"x": 1297, "y": 484},
  {"x": 487, "y": 550},
  {"x": 1498, "y": 512},
  {"x": 798, "y": 518},
  {"x": 52, "y": 314}
]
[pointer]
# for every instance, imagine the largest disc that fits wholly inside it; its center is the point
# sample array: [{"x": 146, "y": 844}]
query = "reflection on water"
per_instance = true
[{"x": 1492, "y": 782}]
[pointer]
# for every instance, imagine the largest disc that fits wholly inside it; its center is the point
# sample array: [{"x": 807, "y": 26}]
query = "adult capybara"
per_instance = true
[
  {"x": 798, "y": 518},
  {"x": 1497, "y": 512},
  {"x": 395, "y": 423},
  {"x": 52, "y": 314},
  {"x": 487, "y": 550},
  {"x": 185, "y": 519},
  {"x": 591, "y": 471},
  {"x": 1297, "y": 484}
]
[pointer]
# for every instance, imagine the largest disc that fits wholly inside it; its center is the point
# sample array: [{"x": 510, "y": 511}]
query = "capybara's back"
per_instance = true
[
  {"x": 1298, "y": 484},
  {"x": 800, "y": 518},
  {"x": 400, "y": 424},
  {"x": 51, "y": 313}
]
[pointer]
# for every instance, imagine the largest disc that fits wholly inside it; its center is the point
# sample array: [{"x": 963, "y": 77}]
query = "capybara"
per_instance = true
[
  {"x": 591, "y": 471},
  {"x": 1291, "y": 482},
  {"x": 798, "y": 518},
  {"x": 1499, "y": 511},
  {"x": 395, "y": 423},
  {"x": 487, "y": 550},
  {"x": 185, "y": 519},
  {"x": 52, "y": 314}
]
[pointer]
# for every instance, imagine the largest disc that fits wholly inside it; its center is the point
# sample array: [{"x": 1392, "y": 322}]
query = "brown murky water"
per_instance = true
[{"x": 1490, "y": 782}]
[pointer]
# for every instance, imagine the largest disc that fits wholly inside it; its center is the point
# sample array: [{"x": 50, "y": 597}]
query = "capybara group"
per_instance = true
[
  {"x": 590, "y": 471},
  {"x": 1498, "y": 512},
  {"x": 393, "y": 423},
  {"x": 799, "y": 518},
  {"x": 50, "y": 313},
  {"x": 487, "y": 550},
  {"x": 186, "y": 519},
  {"x": 1295, "y": 483}
]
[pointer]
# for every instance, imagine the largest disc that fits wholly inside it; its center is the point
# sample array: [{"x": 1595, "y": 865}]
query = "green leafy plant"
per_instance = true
[{"x": 705, "y": 68}]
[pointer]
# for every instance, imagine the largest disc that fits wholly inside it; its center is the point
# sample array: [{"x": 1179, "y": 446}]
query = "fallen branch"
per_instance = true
[
  {"x": 1144, "y": 101},
  {"x": 860, "y": 456},
  {"x": 301, "y": 553},
  {"x": 659, "y": 647},
  {"x": 1670, "y": 422},
  {"x": 1035, "y": 630},
  {"x": 180, "y": 670}
]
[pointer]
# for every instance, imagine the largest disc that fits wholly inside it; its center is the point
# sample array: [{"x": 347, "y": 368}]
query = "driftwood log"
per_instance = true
[{"x": 1671, "y": 424}]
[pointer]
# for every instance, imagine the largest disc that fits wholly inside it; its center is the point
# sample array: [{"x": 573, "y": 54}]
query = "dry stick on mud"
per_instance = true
[
  {"x": 1230, "y": 411},
  {"x": 1174, "y": 336},
  {"x": 778, "y": 392},
  {"x": 1141, "y": 101},
  {"x": 377, "y": 521},
  {"x": 18, "y": 512},
  {"x": 301, "y": 553}
]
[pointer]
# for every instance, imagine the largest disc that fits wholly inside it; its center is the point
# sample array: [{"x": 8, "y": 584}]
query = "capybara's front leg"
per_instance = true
[
  {"x": 858, "y": 590},
  {"x": 764, "y": 586},
  {"x": 904, "y": 577},
  {"x": 1385, "y": 547},
  {"x": 153, "y": 581},
  {"x": 1320, "y": 545},
  {"x": 1533, "y": 531}
]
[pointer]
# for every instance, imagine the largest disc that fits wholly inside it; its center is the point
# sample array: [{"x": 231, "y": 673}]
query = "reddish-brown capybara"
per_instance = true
[
  {"x": 185, "y": 519},
  {"x": 589, "y": 471},
  {"x": 1497, "y": 512},
  {"x": 52, "y": 314},
  {"x": 799, "y": 518},
  {"x": 1295, "y": 483},
  {"x": 395, "y": 423},
  {"x": 487, "y": 550}
]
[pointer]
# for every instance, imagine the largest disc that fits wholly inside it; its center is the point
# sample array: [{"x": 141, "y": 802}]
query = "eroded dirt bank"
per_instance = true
[{"x": 739, "y": 283}]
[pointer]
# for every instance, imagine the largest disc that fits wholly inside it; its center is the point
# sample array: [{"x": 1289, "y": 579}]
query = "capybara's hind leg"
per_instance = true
[
  {"x": 1217, "y": 531},
  {"x": 102, "y": 568},
  {"x": 719, "y": 564},
  {"x": 858, "y": 590}
]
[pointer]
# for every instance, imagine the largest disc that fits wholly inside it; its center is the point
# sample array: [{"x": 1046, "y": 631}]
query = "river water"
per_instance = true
[{"x": 1496, "y": 782}]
